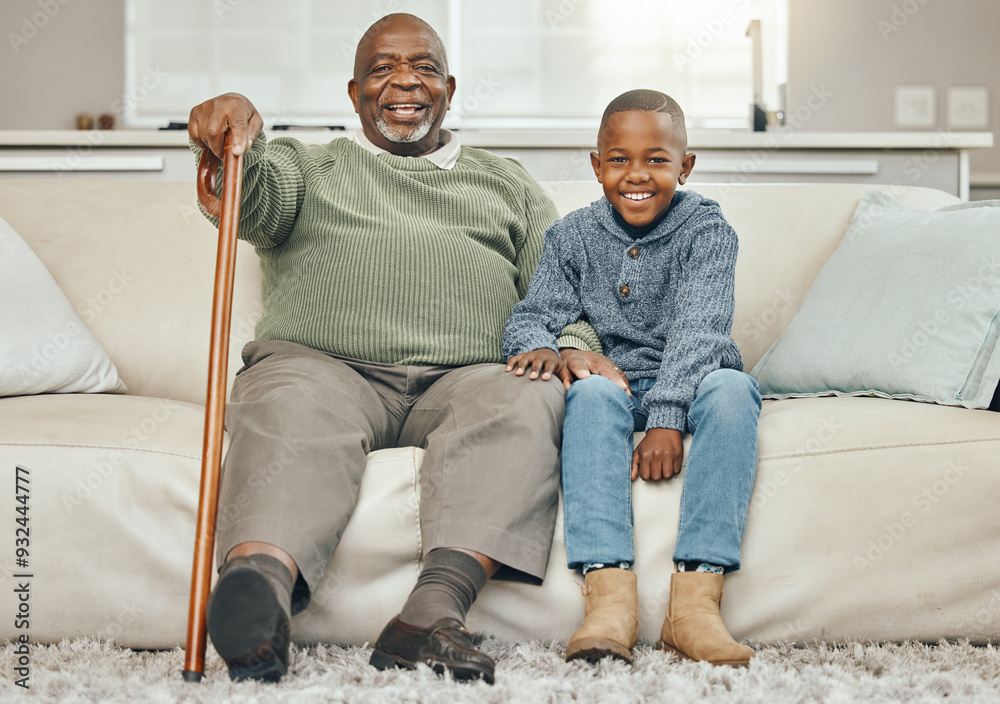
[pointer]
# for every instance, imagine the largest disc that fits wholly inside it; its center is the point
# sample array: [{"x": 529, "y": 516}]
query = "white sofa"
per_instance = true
[{"x": 871, "y": 518}]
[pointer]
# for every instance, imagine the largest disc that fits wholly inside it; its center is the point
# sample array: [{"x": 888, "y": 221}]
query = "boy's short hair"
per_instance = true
[{"x": 649, "y": 101}]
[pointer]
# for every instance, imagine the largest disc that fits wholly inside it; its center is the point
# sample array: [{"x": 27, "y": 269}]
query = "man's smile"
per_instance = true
[{"x": 405, "y": 110}]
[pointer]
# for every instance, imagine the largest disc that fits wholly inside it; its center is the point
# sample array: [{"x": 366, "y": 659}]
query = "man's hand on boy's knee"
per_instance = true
[
  {"x": 658, "y": 455},
  {"x": 542, "y": 363},
  {"x": 583, "y": 363}
]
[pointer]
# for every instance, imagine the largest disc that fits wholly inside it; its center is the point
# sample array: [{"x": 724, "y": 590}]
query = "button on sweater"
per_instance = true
[
  {"x": 664, "y": 312},
  {"x": 391, "y": 259}
]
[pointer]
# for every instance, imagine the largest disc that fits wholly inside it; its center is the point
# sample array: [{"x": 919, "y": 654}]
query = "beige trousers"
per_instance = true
[{"x": 301, "y": 423}]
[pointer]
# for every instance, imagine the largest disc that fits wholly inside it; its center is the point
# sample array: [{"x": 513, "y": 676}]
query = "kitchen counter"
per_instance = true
[
  {"x": 779, "y": 138},
  {"x": 934, "y": 159}
]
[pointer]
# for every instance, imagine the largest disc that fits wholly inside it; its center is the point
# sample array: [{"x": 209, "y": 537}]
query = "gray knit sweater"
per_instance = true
[{"x": 662, "y": 305}]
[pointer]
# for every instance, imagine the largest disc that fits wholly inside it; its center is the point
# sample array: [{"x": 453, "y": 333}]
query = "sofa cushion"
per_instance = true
[
  {"x": 861, "y": 512},
  {"x": 113, "y": 495},
  {"x": 113, "y": 498},
  {"x": 44, "y": 346},
  {"x": 907, "y": 307},
  {"x": 862, "y": 509}
]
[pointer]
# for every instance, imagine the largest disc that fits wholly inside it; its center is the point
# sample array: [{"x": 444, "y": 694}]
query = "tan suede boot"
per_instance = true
[
  {"x": 693, "y": 628},
  {"x": 611, "y": 617}
]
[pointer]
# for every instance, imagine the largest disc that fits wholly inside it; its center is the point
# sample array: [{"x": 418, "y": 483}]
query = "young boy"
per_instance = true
[{"x": 652, "y": 270}]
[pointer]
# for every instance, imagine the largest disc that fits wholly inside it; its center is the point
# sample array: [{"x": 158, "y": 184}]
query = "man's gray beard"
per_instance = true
[{"x": 393, "y": 135}]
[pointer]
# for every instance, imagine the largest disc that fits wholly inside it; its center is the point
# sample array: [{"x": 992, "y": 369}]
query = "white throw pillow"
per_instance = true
[
  {"x": 44, "y": 346},
  {"x": 907, "y": 307}
]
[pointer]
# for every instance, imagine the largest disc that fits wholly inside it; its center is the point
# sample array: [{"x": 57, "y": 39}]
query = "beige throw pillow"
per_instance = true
[{"x": 44, "y": 346}]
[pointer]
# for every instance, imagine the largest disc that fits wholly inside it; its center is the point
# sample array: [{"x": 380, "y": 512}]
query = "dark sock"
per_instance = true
[
  {"x": 698, "y": 566},
  {"x": 447, "y": 586},
  {"x": 273, "y": 570}
]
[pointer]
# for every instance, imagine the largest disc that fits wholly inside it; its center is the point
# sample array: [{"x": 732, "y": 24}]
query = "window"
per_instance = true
[{"x": 518, "y": 63}]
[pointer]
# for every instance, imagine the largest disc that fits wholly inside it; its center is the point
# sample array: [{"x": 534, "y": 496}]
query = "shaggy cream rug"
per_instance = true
[{"x": 90, "y": 671}]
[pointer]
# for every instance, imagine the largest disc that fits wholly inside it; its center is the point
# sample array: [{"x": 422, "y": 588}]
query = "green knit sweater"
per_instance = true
[{"x": 388, "y": 258}]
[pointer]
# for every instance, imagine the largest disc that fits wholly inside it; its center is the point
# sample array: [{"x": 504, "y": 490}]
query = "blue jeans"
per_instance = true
[{"x": 718, "y": 477}]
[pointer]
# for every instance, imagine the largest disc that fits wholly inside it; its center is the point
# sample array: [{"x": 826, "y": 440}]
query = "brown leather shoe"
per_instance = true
[
  {"x": 444, "y": 645},
  {"x": 249, "y": 617}
]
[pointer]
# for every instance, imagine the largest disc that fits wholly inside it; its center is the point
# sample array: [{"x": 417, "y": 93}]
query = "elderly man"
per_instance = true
[{"x": 391, "y": 261}]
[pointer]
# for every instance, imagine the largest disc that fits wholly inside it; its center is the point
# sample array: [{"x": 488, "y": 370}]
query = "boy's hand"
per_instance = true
[
  {"x": 583, "y": 363},
  {"x": 543, "y": 362},
  {"x": 658, "y": 455}
]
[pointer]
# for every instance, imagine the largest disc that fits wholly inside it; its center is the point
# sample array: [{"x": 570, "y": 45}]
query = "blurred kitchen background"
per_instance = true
[{"x": 882, "y": 90}]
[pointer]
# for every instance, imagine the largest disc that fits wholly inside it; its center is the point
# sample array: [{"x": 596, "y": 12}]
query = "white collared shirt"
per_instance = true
[{"x": 444, "y": 157}]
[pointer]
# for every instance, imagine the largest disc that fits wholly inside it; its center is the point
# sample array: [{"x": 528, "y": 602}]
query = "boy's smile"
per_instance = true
[{"x": 639, "y": 162}]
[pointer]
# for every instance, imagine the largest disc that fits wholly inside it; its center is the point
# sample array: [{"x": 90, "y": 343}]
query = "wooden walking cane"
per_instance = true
[{"x": 228, "y": 210}]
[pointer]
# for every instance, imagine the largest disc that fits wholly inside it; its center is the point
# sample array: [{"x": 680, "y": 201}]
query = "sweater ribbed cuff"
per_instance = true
[
  {"x": 256, "y": 151},
  {"x": 527, "y": 343},
  {"x": 673, "y": 417},
  {"x": 576, "y": 343}
]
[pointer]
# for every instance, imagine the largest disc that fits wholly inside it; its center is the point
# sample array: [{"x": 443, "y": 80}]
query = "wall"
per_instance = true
[
  {"x": 59, "y": 58},
  {"x": 858, "y": 51},
  {"x": 72, "y": 61}
]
